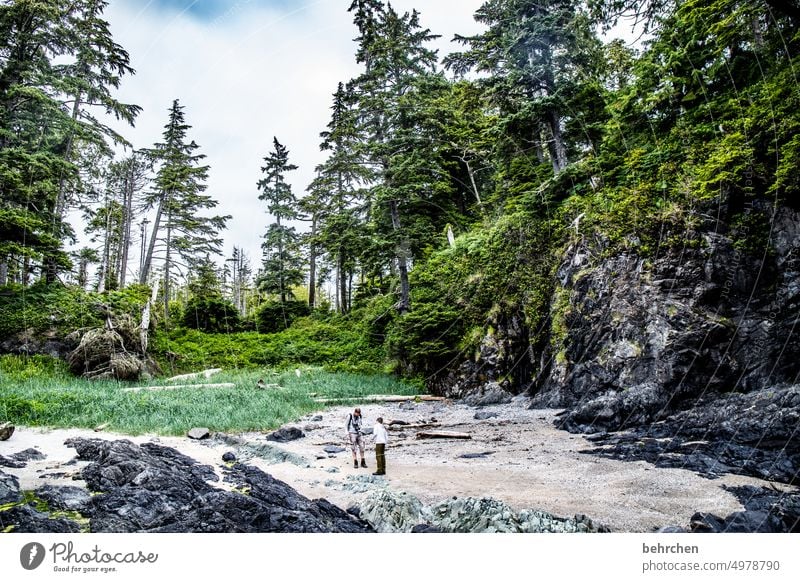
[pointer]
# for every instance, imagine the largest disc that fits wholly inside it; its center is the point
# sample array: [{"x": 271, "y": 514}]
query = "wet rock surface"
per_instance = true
[
  {"x": 153, "y": 488},
  {"x": 748, "y": 434},
  {"x": 20, "y": 459},
  {"x": 9, "y": 489},
  {"x": 765, "y": 511}
]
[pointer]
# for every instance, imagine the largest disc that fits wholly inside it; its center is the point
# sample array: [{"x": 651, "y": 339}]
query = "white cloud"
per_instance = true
[{"x": 247, "y": 74}]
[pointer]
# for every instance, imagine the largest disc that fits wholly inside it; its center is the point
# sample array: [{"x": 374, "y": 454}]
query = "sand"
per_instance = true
[{"x": 532, "y": 465}]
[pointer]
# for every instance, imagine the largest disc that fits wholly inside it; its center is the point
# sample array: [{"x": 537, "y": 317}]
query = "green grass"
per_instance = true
[{"x": 51, "y": 397}]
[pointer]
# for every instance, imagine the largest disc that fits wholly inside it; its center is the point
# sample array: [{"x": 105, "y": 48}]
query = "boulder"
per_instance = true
[
  {"x": 6, "y": 430},
  {"x": 151, "y": 488},
  {"x": 9, "y": 489},
  {"x": 286, "y": 434},
  {"x": 199, "y": 433}
]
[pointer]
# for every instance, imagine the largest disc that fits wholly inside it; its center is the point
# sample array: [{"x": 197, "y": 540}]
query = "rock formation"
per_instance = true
[{"x": 151, "y": 488}]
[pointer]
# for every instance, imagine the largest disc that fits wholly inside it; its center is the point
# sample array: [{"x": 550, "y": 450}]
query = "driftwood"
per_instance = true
[
  {"x": 176, "y": 386},
  {"x": 443, "y": 434},
  {"x": 205, "y": 374},
  {"x": 410, "y": 426},
  {"x": 102, "y": 427},
  {"x": 382, "y": 398}
]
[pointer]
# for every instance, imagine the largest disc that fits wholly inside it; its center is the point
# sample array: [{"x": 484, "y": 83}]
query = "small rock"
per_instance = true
[
  {"x": 332, "y": 449},
  {"x": 6, "y": 430},
  {"x": 284, "y": 435},
  {"x": 317, "y": 418},
  {"x": 332, "y": 469},
  {"x": 229, "y": 457},
  {"x": 199, "y": 433},
  {"x": 484, "y": 415}
]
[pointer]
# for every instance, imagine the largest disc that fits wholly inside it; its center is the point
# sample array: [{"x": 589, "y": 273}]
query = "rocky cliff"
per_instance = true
[{"x": 700, "y": 336}]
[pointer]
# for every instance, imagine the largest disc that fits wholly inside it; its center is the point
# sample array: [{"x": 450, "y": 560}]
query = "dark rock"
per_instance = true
[
  {"x": 284, "y": 435},
  {"x": 425, "y": 528},
  {"x": 332, "y": 449},
  {"x": 765, "y": 511},
  {"x": 725, "y": 434},
  {"x": 66, "y": 498},
  {"x": 317, "y": 418},
  {"x": 25, "y": 519},
  {"x": 491, "y": 393},
  {"x": 229, "y": 457},
  {"x": 156, "y": 489},
  {"x": 485, "y": 415},
  {"x": 20, "y": 459},
  {"x": 672, "y": 529},
  {"x": 9, "y": 489},
  {"x": 354, "y": 510},
  {"x": 199, "y": 433},
  {"x": 6, "y": 430}
]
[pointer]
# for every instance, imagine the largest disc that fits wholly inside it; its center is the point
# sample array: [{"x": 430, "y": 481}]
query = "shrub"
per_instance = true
[
  {"x": 211, "y": 315},
  {"x": 275, "y": 316}
]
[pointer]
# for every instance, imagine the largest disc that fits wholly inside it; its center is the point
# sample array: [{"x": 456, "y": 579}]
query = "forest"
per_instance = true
[{"x": 452, "y": 187}]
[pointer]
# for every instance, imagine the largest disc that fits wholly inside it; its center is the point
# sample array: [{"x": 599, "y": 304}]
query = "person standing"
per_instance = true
[
  {"x": 355, "y": 437},
  {"x": 381, "y": 438}
]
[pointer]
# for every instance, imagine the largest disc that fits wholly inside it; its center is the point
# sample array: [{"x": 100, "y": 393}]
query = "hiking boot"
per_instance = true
[
  {"x": 355, "y": 464},
  {"x": 378, "y": 473},
  {"x": 363, "y": 463}
]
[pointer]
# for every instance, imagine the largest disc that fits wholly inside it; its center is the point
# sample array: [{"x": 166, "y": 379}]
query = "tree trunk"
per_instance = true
[
  {"x": 342, "y": 280},
  {"x": 167, "y": 259},
  {"x": 148, "y": 259},
  {"x": 127, "y": 217},
  {"x": 559, "y": 149},
  {"x": 471, "y": 175},
  {"x": 402, "y": 260},
  {"x": 312, "y": 265}
]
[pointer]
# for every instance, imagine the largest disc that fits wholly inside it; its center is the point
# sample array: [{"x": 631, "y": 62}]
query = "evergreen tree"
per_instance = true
[
  {"x": 538, "y": 54},
  {"x": 178, "y": 198},
  {"x": 282, "y": 266},
  {"x": 396, "y": 64},
  {"x": 43, "y": 120}
]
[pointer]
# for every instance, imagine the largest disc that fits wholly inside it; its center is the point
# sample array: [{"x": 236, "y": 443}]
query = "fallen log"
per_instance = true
[
  {"x": 381, "y": 398},
  {"x": 443, "y": 434},
  {"x": 177, "y": 386},
  {"x": 205, "y": 374}
]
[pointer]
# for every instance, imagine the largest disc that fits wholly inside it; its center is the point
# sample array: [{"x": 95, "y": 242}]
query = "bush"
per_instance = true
[{"x": 211, "y": 315}]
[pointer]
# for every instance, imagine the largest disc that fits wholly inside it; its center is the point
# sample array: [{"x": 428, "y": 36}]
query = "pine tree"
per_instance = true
[
  {"x": 177, "y": 196},
  {"x": 282, "y": 266},
  {"x": 537, "y": 53},
  {"x": 397, "y": 64}
]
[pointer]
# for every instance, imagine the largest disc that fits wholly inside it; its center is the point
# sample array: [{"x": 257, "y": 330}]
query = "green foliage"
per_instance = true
[
  {"x": 337, "y": 345},
  {"x": 51, "y": 400},
  {"x": 45, "y": 307},
  {"x": 275, "y": 316},
  {"x": 506, "y": 267},
  {"x": 211, "y": 314}
]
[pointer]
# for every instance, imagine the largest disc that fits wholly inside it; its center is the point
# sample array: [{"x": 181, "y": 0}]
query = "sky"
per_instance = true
[{"x": 246, "y": 71}]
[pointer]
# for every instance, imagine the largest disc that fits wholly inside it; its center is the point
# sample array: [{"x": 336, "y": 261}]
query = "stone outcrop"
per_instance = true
[
  {"x": 698, "y": 341},
  {"x": 151, "y": 488},
  {"x": 389, "y": 511}
]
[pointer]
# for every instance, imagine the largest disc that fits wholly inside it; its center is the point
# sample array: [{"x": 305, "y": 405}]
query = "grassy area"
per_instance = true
[{"x": 38, "y": 392}]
